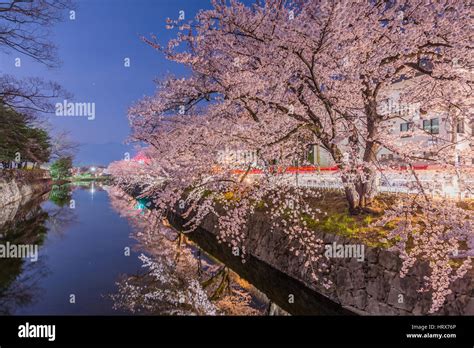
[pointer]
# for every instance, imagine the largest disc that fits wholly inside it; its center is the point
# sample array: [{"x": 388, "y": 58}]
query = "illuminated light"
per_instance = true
[
  {"x": 142, "y": 204},
  {"x": 249, "y": 180},
  {"x": 166, "y": 222},
  {"x": 92, "y": 190},
  {"x": 451, "y": 191}
]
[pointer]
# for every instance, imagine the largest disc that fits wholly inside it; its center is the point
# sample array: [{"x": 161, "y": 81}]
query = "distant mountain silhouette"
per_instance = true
[{"x": 101, "y": 154}]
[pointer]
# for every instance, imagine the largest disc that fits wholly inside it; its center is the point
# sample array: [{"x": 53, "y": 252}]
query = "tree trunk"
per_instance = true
[
  {"x": 369, "y": 187},
  {"x": 360, "y": 192},
  {"x": 352, "y": 197}
]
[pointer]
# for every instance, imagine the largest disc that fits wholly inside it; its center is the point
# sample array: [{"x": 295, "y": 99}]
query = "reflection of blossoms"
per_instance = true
[
  {"x": 177, "y": 280},
  {"x": 161, "y": 292}
]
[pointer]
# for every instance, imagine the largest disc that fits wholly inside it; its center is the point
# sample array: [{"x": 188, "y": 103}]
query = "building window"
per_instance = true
[
  {"x": 426, "y": 125},
  {"x": 431, "y": 126},
  {"x": 460, "y": 126},
  {"x": 405, "y": 127},
  {"x": 429, "y": 154}
]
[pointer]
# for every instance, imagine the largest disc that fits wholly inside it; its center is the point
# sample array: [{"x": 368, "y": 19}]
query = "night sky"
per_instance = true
[{"x": 92, "y": 49}]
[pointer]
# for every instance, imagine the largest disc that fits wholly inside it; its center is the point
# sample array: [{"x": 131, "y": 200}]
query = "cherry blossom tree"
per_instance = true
[
  {"x": 277, "y": 77},
  {"x": 318, "y": 71}
]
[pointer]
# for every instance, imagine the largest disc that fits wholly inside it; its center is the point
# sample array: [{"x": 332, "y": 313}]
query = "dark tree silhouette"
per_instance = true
[{"x": 24, "y": 29}]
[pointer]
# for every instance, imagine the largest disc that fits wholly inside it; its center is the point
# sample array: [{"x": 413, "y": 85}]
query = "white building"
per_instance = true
[
  {"x": 410, "y": 126},
  {"x": 429, "y": 130}
]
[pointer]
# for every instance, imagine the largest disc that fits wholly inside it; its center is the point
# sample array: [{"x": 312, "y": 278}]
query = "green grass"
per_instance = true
[
  {"x": 334, "y": 217},
  {"x": 349, "y": 226}
]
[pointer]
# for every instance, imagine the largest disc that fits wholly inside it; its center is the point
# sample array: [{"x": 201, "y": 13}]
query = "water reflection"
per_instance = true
[
  {"x": 61, "y": 216},
  {"x": 178, "y": 278},
  {"x": 80, "y": 242},
  {"x": 19, "y": 277},
  {"x": 113, "y": 263},
  {"x": 61, "y": 195},
  {"x": 28, "y": 223}
]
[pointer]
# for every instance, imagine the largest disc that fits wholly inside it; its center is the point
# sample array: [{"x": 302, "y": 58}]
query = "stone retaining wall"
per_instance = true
[
  {"x": 369, "y": 287},
  {"x": 21, "y": 185}
]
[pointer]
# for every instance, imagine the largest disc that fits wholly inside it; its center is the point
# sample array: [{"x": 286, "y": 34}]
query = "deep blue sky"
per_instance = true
[{"x": 92, "y": 49}]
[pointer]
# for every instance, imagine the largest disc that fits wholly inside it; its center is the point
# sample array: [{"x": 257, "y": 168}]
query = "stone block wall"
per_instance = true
[{"x": 369, "y": 287}]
